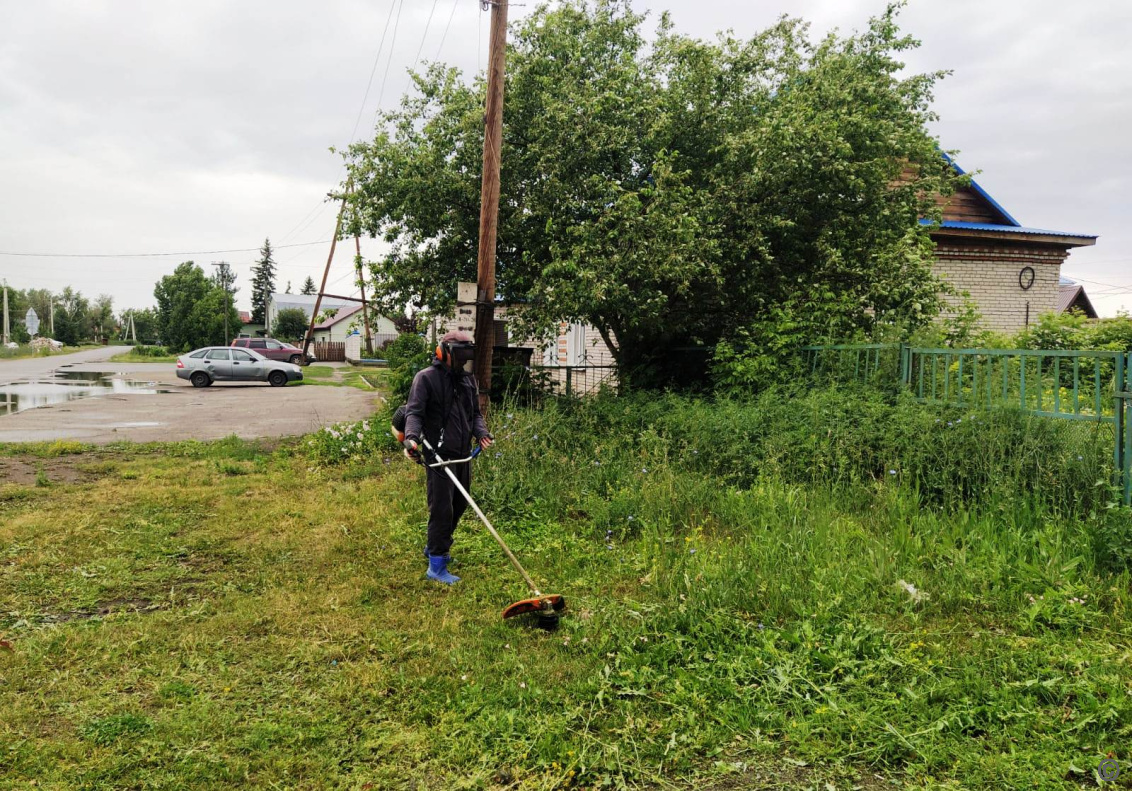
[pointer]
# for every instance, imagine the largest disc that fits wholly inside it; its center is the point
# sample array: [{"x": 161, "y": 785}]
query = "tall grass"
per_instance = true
[{"x": 755, "y": 600}]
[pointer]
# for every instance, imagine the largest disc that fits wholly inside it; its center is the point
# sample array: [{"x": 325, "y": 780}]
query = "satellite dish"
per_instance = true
[{"x": 31, "y": 321}]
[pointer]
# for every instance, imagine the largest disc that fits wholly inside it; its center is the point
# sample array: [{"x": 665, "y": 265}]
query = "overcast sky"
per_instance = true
[{"x": 159, "y": 126}]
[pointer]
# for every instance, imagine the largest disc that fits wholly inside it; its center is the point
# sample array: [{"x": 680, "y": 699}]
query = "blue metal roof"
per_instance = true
[
  {"x": 989, "y": 226},
  {"x": 986, "y": 195}
]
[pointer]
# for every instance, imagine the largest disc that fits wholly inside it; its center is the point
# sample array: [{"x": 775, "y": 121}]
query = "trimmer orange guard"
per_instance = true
[{"x": 550, "y": 602}]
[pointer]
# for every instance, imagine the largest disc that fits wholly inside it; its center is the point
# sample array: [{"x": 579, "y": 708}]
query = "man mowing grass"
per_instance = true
[{"x": 444, "y": 404}]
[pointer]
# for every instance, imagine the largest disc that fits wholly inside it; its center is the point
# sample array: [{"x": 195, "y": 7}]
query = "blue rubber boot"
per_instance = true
[
  {"x": 438, "y": 570},
  {"x": 448, "y": 558}
]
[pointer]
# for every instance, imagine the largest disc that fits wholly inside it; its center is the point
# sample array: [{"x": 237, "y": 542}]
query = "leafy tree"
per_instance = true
[
  {"x": 752, "y": 192},
  {"x": 290, "y": 324},
  {"x": 224, "y": 277},
  {"x": 309, "y": 287},
  {"x": 72, "y": 317},
  {"x": 38, "y": 298},
  {"x": 263, "y": 282},
  {"x": 145, "y": 325},
  {"x": 191, "y": 309},
  {"x": 102, "y": 315}
]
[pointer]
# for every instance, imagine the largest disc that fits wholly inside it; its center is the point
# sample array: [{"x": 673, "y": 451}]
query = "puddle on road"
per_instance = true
[{"x": 62, "y": 386}]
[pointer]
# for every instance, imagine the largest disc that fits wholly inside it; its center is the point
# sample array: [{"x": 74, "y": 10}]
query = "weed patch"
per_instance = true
[{"x": 743, "y": 611}]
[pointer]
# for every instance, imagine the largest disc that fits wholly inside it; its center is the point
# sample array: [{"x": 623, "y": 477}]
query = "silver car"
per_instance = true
[{"x": 227, "y": 364}]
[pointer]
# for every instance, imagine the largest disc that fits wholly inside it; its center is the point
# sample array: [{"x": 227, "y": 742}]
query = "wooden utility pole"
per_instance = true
[
  {"x": 222, "y": 273},
  {"x": 325, "y": 272},
  {"x": 489, "y": 198},
  {"x": 362, "y": 286},
  {"x": 5, "y": 315}
]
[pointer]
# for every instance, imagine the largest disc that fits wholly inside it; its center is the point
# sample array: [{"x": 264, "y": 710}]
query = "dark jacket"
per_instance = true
[{"x": 445, "y": 407}]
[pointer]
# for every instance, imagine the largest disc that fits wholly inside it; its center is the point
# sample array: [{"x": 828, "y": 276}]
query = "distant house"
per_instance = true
[
  {"x": 349, "y": 320},
  {"x": 249, "y": 327},
  {"x": 1011, "y": 272},
  {"x": 304, "y": 302},
  {"x": 576, "y": 347},
  {"x": 1072, "y": 297}
]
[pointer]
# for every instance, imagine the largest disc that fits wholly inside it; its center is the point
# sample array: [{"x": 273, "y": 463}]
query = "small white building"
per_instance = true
[
  {"x": 349, "y": 319},
  {"x": 304, "y": 302}
]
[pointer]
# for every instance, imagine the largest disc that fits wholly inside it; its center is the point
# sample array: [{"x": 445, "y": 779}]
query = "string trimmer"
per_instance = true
[{"x": 546, "y": 605}]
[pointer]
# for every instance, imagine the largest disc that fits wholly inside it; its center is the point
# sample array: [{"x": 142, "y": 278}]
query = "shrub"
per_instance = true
[
  {"x": 406, "y": 355},
  {"x": 360, "y": 441},
  {"x": 151, "y": 351},
  {"x": 851, "y": 438},
  {"x": 290, "y": 324}
]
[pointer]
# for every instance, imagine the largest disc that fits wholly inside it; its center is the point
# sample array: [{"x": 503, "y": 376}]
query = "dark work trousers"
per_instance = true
[{"x": 445, "y": 506}]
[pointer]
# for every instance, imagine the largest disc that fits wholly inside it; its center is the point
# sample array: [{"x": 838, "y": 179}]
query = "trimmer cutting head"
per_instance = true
[{"x": 547, "y": 606}]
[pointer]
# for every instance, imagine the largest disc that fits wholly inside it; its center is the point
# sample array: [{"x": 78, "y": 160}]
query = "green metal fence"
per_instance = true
[{"x": 1083, "y": 385}]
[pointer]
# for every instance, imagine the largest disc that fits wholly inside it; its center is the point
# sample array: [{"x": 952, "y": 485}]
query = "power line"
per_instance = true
[
  {"x": 154, "y": 255},
  {"x": 373, "y": 71},
  {"x": 307, "y": 217},
  {"x": 389, "y": 61},
  {"x": 455, "y": 3},
  {"x": 1098, "y": 283},
  {"x": 428, "y": 24},
  {"x": 321, "y": 206}
]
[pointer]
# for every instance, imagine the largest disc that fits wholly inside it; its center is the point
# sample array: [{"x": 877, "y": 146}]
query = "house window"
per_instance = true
[{"x": 576, "y": 345}]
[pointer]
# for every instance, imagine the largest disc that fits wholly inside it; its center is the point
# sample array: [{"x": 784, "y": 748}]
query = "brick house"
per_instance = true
[{"x": 1011, "y": 272}]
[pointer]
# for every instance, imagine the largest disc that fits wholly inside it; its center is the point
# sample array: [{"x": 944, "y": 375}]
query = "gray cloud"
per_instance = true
[{"x": 139, "y": 126}]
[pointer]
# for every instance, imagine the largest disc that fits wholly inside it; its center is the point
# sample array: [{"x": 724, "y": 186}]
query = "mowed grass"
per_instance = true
[
  {"x": 230, "y": 615},
  {"x": 337, "y": 377}
]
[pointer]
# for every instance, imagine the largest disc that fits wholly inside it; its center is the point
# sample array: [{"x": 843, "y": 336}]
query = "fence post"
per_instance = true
[
  {"x": 569, "y": 371},
  {"x": 1119, "y": 458},
  {"x": 1126, "y": 465}
]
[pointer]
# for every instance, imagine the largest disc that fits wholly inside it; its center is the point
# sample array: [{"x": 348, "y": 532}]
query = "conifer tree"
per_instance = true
[{"x": 263, "y": 282}]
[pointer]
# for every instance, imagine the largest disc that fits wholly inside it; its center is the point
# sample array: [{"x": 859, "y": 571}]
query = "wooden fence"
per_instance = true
[{"x": 329, "y": 351}]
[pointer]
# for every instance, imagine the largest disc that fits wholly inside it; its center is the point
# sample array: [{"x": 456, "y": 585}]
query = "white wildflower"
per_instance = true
[{"x": 913, "y": 592}]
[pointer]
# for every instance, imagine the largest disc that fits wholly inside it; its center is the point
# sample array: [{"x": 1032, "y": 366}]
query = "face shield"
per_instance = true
[{"x": 462, "y": 356}]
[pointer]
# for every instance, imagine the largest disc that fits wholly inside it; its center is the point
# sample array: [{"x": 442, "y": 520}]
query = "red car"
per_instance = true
[{"x": 275, "y": 350}]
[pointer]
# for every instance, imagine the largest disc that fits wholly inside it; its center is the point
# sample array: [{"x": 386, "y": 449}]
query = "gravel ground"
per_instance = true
[{"x": 171, "y": 409}]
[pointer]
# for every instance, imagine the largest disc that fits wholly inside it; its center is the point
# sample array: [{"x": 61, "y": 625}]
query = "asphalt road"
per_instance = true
[
  {"x": 29, "y": 367},
  {"x": 167, "y": 408}
]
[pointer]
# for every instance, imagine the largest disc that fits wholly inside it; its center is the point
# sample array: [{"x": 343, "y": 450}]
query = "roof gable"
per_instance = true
[
  {"x": 342, "y": 314},
  {"x": 972, "y": 203},
  {"x": 1073, "y": 297}
]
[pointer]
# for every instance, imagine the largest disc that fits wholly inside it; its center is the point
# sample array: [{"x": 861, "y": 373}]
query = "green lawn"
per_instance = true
[
  {"x": 236, "y": 615},
  {"x": 132, "y": 356},
  {"x": 339, "y": 377}
]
